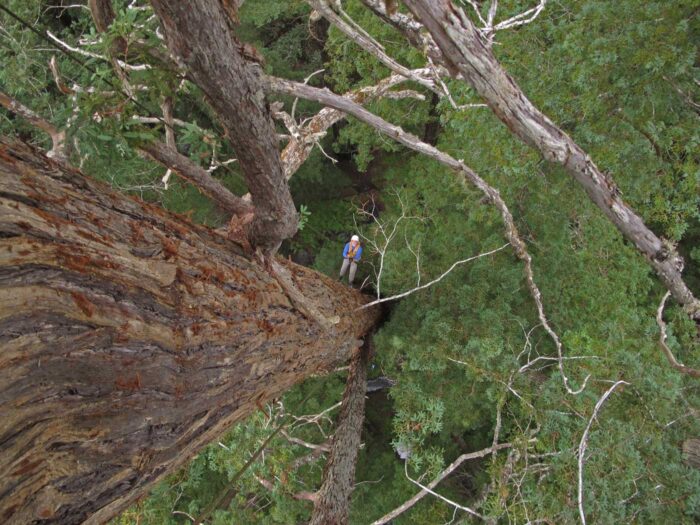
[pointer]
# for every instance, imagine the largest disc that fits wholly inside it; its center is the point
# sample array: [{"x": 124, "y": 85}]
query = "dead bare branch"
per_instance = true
[
  {"x": 58, "y": 137},
  {"x": 89, "y": 54},
  {"x": 436, "y": 280},
  {"x": 425, "y": 490},
  {"x": 584, "y": 444},
  {"x": 693, "y": 372},
  {"x": 328, "y": 98},
  {"x": 441, "y": 497}
]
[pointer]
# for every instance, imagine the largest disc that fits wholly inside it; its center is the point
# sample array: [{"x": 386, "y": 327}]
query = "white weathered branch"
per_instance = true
[
  {"x": 518, "y": 20},
  {"x": 693, "y": 372},
  {"x": 584, "y": 444},
  {"x": 425, "y": 490},
  {"x": 440, "y": 496},
  {"x": 58, "y": 137},
  {"x": 436, "y": 280},
  {"x": 90, "y": 54}
]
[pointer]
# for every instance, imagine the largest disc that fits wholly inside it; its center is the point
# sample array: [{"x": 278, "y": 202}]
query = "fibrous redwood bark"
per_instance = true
[{"x": 130, "y": 338}]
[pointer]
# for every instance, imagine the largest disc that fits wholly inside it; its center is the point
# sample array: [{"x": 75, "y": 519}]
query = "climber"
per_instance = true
[{"x": 351, "y": 255}]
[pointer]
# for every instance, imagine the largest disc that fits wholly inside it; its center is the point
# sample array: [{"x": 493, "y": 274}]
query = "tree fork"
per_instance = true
[
  {"x": 131, "y": 338},
  {"x": 200, "y": 34}
]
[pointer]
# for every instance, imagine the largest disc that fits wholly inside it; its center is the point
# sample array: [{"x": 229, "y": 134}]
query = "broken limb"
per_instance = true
[{"x": 58, "y": 137}]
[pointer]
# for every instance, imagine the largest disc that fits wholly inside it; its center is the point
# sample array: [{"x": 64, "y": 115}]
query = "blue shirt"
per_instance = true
[{"x": 357, "y": 253}]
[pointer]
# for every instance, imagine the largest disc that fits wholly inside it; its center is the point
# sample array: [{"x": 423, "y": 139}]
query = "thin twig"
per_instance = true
[{"x": 584, "y": 444}]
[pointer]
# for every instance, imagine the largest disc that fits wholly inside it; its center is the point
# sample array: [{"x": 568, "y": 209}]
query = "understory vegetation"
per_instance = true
[{"x": 467, "y": 356}]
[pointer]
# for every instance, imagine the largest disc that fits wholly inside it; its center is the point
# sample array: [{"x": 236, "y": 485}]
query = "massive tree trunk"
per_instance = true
[{"x": 130, "y": 338}]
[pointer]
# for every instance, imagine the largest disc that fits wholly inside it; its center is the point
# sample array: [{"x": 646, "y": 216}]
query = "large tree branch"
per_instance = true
[
  {"x": 465, "y": 52},
  {"x": 191, "y": 172},
  {"x": 298, "y": 150},
  {"x": 469, "y": 176},
  {"x": 200, "y": 33},
  {"x": 58, "y": 137}
]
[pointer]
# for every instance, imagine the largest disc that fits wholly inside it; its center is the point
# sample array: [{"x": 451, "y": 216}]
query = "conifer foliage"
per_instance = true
[{"x": 499, "y": 402}]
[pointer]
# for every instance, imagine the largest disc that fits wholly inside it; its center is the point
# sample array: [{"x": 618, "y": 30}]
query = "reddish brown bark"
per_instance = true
[{"x": 130, "y": 338}]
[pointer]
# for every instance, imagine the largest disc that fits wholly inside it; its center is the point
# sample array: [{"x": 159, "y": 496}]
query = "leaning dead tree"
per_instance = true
[
  {"x": 131, "y": 338},
  {"x": 449, "y": 38}
]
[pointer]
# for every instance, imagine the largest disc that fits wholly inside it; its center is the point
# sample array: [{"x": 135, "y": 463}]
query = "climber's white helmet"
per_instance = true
[{"x": 355, "y": 238}]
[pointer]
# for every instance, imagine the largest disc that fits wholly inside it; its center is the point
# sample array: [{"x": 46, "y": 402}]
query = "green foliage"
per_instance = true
[{"x": 618, "y": 77}]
